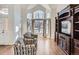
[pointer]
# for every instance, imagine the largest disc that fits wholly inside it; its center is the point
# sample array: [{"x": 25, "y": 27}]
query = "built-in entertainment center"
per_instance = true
[
  {"x": 67, "y": 29},
  {"x": 76, "y": 30}
]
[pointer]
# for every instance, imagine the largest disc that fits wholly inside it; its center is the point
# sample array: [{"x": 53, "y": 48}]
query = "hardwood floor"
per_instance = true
[
  {"x": 48, "y": 47},
  {"x": 6, "y": 50},
  {"x": 44, "y": 47}
]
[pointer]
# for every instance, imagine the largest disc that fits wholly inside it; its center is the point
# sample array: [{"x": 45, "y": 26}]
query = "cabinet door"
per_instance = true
[{"x": 76, "y": 47}]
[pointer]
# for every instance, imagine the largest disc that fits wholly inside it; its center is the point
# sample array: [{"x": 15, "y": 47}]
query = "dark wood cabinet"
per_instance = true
[
  {"x": 76, "y": 29},
  {"x": 64, "y": 43},
  {"x": 65, "y": 39},
  {"x": 76, "y": 47},
  {"x": 56, "y": 30},
  {"x": 69, "y": 43}
]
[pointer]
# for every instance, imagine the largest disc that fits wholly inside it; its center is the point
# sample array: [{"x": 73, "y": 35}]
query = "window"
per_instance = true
[
  {"x": 29, "y": 25},
  {"x": 39, "y": 14},
  {"x": 38, "y": 24}
]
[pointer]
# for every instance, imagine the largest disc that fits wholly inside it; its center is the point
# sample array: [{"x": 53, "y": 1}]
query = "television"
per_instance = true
[{"x": 66, "y": 27}]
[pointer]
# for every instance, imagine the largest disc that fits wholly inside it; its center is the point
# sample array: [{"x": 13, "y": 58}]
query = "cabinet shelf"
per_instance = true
[
  {"x": 67, "y": 42},
  {"x": 63, "y": 17},
  {"x": 77, "y": 30},
  {"x": 77, "y": 22}
]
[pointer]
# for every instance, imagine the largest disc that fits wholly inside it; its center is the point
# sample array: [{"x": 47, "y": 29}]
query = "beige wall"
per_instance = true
[
  {"x": 61, "y": 6},
  {"x": 53, "y": 14},
  {"x": 23, "y": 20},
  {"x": 55, "y": 9}
]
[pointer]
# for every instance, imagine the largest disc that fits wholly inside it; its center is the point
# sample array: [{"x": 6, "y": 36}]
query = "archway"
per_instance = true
[{"x": 38, "y": 21}]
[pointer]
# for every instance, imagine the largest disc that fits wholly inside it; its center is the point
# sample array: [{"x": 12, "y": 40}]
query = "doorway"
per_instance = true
[
  {"x": 38, "y": 27},
  {"x": 41, "y": 27},
  {"x": 39, "y": 23}
]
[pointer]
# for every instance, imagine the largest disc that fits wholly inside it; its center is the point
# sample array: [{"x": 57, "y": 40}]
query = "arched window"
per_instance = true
[
  {"x": 35, "y": 15},
  {"x": 38, "y": 14}
]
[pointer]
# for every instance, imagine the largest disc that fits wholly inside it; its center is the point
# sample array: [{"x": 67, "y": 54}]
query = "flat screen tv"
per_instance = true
[{"x": 66, "y": 27}]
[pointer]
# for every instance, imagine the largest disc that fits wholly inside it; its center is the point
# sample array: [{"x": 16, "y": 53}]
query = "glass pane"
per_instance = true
[
  {"x": 39, "y": 14},
  {"x": 38, "y": 26},
  {"x": 29, "y": 24}
]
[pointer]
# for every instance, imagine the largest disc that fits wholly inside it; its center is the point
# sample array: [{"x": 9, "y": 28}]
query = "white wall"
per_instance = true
[
  {"x": 17, "y": 21},
  {"x": 14, "y": 19},
  {"x": 10, "y": 27}
]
